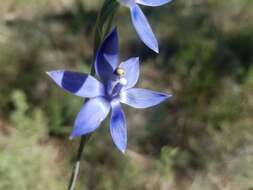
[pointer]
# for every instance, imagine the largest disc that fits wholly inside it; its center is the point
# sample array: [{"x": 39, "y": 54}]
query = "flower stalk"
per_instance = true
[{"x": 84, "y": 140}]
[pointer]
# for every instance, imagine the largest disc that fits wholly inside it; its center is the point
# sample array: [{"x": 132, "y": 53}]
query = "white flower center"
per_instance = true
[{"x": 123, "y": 81}]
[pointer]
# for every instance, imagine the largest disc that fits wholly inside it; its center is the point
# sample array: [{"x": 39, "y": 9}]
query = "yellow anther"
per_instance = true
[{"x": 120, "y": 72}]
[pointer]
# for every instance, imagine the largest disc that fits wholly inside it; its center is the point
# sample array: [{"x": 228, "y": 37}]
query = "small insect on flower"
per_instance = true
[
  {"x": 140, "y": 22},
  {"x": 116, "y": 87}
]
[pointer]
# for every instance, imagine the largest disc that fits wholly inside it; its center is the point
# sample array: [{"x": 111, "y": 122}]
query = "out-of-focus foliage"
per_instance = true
[
  {"x": 201, "y": 140},
  {"x": 26, "y": 157}
]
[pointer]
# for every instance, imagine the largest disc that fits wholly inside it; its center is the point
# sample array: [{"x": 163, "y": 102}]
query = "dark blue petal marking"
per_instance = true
[
  {"x": 110, "y": 44},
  {"x": 73, "y": 81},
  {"x": 110, "y": 47}
]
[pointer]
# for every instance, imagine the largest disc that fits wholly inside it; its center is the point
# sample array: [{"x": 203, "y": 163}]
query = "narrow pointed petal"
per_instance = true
[
  {"x": 91, "y": 116},
  {"x": 132, "y": 71},
  {"x": 153, "y": 3},
  {"x": 142, "y": 98},
  {"x": 118, "y": 126},
  {"x": 143, "y": 28},
  {"x": 77, "y": 83},
  {"x": 110, "y": 48}
]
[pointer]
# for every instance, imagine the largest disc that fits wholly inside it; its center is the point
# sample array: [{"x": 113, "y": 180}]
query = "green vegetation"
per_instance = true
[
  {"x": 201, "y": 140},
  {"x": 27, "y": 159}
]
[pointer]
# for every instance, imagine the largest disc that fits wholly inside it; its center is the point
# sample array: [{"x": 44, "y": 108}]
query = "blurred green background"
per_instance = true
[{"x": 202, "y": 139}]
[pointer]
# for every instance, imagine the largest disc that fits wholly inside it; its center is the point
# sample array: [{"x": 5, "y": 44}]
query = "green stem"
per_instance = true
[
  {"x": 84, "y": 140},
  {"x": 103, "y": 26},
  {"x": 104, "y": 21}
]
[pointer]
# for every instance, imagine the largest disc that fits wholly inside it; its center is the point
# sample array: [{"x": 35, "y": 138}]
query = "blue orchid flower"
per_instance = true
[
  {"x": 140, "y": 22},
  {"x": 116, "y": 87}
]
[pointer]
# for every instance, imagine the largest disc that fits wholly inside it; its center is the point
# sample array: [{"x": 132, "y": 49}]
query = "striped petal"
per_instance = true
[{"x": 80, "y": 84}]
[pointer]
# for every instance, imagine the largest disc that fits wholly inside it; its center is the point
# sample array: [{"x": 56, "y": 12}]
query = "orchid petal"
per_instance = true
[
  {"x": 118, "y": 126},
  {"x": 110, "y": 48},
  {"x": 91, "y": 116},
  {"x": 143, "y": 28},
  {"x": 142, "y": 98},
  {"x": 77, "y": 83},
  {"x": 153, "y": 3},
  {"x": 112, "y": 59},
  {"x": 132, "y": 71}
]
